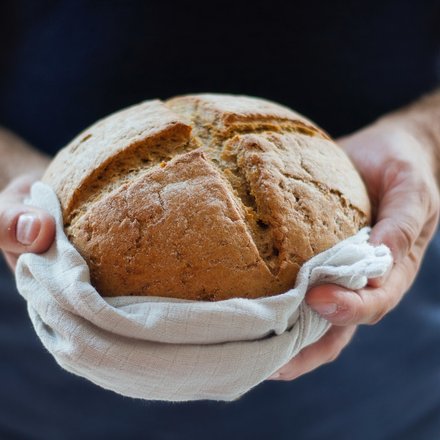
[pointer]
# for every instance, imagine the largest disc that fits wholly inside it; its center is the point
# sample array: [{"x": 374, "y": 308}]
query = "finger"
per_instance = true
[
  {"x": 383, "y": 233},
  {"x": 402, "y": 212},
  {"x": 342, "y": 306},
  {"x": 326, "y": 350},
  {"x": 25, "y": 229}
]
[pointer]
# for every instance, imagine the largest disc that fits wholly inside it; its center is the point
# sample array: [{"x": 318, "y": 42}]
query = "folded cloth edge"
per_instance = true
[{"x": 110, "y": 341}]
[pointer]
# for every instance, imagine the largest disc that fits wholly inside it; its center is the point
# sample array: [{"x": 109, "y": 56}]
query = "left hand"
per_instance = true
[
  {"x": 400, "y": 180},
  {"x": 22, "y": 228}
]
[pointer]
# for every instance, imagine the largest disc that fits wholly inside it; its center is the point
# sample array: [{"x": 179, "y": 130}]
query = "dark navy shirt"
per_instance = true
[{"x": 64, "y": 64}]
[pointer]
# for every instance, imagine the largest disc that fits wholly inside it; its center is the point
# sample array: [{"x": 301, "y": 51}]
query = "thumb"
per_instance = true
[
  {"x": 402, "y": 214},
  {"x": 25, "y": 229}
]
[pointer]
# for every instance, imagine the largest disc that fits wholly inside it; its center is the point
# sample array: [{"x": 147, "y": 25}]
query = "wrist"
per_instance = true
[
  {"x": 412, "y": 130},
  {"x": 421, "y": 120},
  {"x": 33, "y": 169},
  {"x": 20, "y": 158}
]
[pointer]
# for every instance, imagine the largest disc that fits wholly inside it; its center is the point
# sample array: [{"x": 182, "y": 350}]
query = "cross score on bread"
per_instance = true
[{"x": 205, "y": 197}]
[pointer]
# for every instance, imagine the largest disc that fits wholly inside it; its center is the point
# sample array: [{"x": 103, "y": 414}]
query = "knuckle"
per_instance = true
[
  {"x": 352, "y": 312},
  {"x": 288, "y": 375},
  {"x": 421, "y": 185},
  {"x": 342, "y": 341},
  {"x": 377, "y": 316},
  {"x": 339, "y": 343},
  {"x": 397, "y": 170},
  {"x": 335, "y": 345},
  {"x": 381, "y": 309},
  {"x": 333, "y": 356},
  {"x": 424, "y": 192},
  {"x": 348, "y": 335},
  {"x": 397, "y": 166},
  {"x": 406, "y": 234},
  {"x": 434, "y": 205},
  {"x": 356, "y": 313},
  {"x": 433, "y": 218}
]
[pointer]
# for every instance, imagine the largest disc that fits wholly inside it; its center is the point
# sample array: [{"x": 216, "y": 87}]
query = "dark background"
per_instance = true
[
  {"x": 64, "y": 64},
  {"x": 342, "y": 63}
]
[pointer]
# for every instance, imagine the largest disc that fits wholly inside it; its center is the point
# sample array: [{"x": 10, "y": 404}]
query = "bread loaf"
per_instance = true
[{"x": 204, "y": 197}]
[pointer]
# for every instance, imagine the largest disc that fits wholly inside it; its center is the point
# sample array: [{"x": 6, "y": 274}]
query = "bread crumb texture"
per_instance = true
[{"x": 205, "y": 197}]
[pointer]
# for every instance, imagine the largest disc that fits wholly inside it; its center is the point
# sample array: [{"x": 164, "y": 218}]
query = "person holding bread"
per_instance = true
[{"x": 59, "y": 75}]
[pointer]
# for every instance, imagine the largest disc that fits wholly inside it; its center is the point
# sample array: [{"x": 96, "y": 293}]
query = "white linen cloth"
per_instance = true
[{"x": 167, "y": 349}]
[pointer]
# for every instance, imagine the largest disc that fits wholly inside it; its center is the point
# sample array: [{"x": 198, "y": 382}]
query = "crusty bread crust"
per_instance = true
[{"x": 205, "y": 197}]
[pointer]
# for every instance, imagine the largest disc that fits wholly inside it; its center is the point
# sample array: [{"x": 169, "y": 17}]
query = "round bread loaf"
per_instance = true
[{"x": 204, "y": 197}]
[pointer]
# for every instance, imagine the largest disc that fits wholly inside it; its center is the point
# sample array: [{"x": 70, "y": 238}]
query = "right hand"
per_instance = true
[
  {"x": 23, "y": 228},
  {"x": 401, "y": 181}
]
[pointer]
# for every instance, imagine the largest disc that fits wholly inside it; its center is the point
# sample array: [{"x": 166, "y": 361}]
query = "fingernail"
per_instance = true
[
  {"x": 28, "y": 228},
  {"x": 274, "y": 376},
  {"x": 325, "y": 308}
]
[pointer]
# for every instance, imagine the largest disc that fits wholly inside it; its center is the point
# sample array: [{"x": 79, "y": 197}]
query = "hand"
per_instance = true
[
  {"x": 400, "y": 180},
  {"x": 22, "y": 228}
]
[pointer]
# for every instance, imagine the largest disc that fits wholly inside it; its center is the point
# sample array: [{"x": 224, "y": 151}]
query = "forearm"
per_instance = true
[
  {"x": 18, "y": 157},
  {"x": 422, "y": 120}
]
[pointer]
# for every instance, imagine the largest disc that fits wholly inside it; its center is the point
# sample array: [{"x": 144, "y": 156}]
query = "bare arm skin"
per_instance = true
[{"x": 18, "y": 158}]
